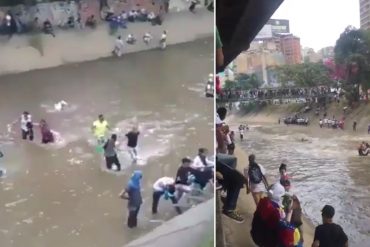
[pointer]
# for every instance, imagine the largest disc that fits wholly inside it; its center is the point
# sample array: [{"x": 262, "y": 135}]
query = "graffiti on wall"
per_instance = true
[{"x": 58, "y": 13}]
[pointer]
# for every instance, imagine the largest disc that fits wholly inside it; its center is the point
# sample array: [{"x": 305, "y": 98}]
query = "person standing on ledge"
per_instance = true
[
  {"x": 329, "y": 234},
  {"x": 133, "y": 194}
]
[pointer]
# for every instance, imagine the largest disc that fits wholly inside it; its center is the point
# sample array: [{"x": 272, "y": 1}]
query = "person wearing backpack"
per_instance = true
[{"x": 256, "y": 179}]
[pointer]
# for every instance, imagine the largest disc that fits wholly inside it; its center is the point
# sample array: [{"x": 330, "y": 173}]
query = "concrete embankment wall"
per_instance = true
[
  {"x": 239, "y": 234},
  {"x": 25, "y": 52},
  {"x": 192, "y": 228}
]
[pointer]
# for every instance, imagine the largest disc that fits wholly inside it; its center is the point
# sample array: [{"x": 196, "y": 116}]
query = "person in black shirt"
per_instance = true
[
  {"x": 329, "y": 234},
  {"x": 132, "y": 137},
  {"x": 182, "y": 177}
]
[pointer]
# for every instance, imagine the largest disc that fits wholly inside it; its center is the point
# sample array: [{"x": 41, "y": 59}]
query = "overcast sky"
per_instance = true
[{"x": 319, "y": 22}]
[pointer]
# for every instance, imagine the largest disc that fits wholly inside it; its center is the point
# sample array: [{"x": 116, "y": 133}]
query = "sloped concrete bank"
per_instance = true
[{"x": 26, "y": 52}]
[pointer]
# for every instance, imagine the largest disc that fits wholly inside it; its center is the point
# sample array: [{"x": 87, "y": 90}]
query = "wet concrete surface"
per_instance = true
[{"x": 60, "y": 195}]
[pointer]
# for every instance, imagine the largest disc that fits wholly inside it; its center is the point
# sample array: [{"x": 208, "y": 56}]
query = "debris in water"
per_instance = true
[{"x": 12, "y": 204}]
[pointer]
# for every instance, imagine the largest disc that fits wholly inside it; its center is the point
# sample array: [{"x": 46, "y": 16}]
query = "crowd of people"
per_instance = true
[
  {"x": 192, "y": 176},
  {"x": 277, "y": 220},
  {"x": 12, "y": 24},
  {"x": 261, "y": 94}
]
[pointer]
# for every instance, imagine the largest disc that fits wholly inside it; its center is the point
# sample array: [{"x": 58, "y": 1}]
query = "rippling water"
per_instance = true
[
  {"x": 58, "y": 195},
  {"x": 326, "y": 170}
]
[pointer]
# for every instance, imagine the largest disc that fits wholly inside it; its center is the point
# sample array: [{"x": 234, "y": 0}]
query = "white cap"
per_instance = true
[{"x": 276, "y": 193}]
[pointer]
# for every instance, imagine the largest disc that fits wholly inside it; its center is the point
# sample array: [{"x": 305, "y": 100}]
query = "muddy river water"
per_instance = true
[
  {"x": 326, "y": 170},
  {"x": 59, "y": 195}
]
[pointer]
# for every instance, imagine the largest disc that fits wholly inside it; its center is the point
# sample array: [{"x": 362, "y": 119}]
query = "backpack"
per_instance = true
[{"x": 255, "y": 174}]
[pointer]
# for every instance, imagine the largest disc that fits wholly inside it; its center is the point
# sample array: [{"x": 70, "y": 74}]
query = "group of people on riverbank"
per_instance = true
[
  {"x": 191, "y": 176},
  {"x": 277, "y": 220},
  {"x": 332, "y": 123},
  {"x": 277, "y": 93},
  {"x": 119, "y": 44}
]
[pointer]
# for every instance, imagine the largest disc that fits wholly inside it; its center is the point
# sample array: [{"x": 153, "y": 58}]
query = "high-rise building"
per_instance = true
[
  {"x": 291, "y": 48},
  {"x": 365, "y": 14}
]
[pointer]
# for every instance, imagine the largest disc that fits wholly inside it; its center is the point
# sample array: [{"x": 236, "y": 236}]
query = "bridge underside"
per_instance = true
[{"x": 239, "y": 21}]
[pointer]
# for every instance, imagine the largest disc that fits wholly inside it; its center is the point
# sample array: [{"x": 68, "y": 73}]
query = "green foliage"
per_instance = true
[
  {"x": 352, "y": 51},
  {"x": 243, "y": 82},
  {"x": 304, "y": 75}
]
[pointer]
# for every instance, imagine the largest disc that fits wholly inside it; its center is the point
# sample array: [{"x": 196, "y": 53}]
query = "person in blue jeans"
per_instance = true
[{"x": 132, "y": 193}]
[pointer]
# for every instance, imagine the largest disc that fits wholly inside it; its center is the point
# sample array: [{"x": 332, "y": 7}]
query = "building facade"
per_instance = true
[
  {"x": 365, "y": 14},
  {"x": 291, "y": 48}
]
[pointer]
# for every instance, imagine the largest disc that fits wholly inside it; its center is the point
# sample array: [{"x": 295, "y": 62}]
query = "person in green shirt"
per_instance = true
[{"x": 219, "y": 52}]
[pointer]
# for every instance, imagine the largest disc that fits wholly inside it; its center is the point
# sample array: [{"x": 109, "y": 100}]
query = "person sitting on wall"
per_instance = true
[
  {"x": 152, "y": 18},
  {"x": 131, "y": 40},
  {"x": 124, "y": 15},
  {"x": 142, "y": 15},
  {"x": 91, "y": 22},
  {"x": 48, "y": 28},
  {"x": 109, "y": 15},
  {"x": 71, "y": 22},
  {"x": 131, "y": 16}
]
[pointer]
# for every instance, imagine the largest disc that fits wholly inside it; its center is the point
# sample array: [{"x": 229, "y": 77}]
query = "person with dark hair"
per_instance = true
[
  {"x": 48, "y": 28},
  {"x": 192, "y": 6},
  {"x": 201, "y": 160},
  {"x": 256, "y": 179},
  {"x": 132, "y": 193},
  {"x": 164, "y": 186},
  {"x": 27, "y": 126},
  {"x": 182, "y": 177},
  {"x": 46, "y": 134},
  {"x": 110, "y": 154},
  {"x": 284, "y": 178},
  {"x": 329, "y": 234},
  {"x": 132, "y": 140},
  {"x": 100, "y": 128}
]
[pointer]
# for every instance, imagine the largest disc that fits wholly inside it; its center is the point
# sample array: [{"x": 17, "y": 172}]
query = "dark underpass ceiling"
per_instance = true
[{"x": 239, "y": 21}]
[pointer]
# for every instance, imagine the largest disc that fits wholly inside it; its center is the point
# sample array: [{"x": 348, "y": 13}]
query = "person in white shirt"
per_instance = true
[
  {"x": 164, "y": 186},
  {"x": 201, "y": 160},
  {"x": 130, "y": 39},
  {"x": 26, "y": 126},
  {"x": 60, "y": 106},
  {"x": 163, "y": 40},
  {"x": 241, "y": 132},
  {"x": 131, "y": 16},
  {"x": 147, "y": 38},
  {"x": 118, "y": 46}
]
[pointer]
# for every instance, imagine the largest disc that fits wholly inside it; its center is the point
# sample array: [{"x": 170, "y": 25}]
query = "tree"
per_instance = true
[
  {"x": 304, "y": 75},
  {"x": 247, "y": 82},
  {"x": 352, "y": 51}
]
